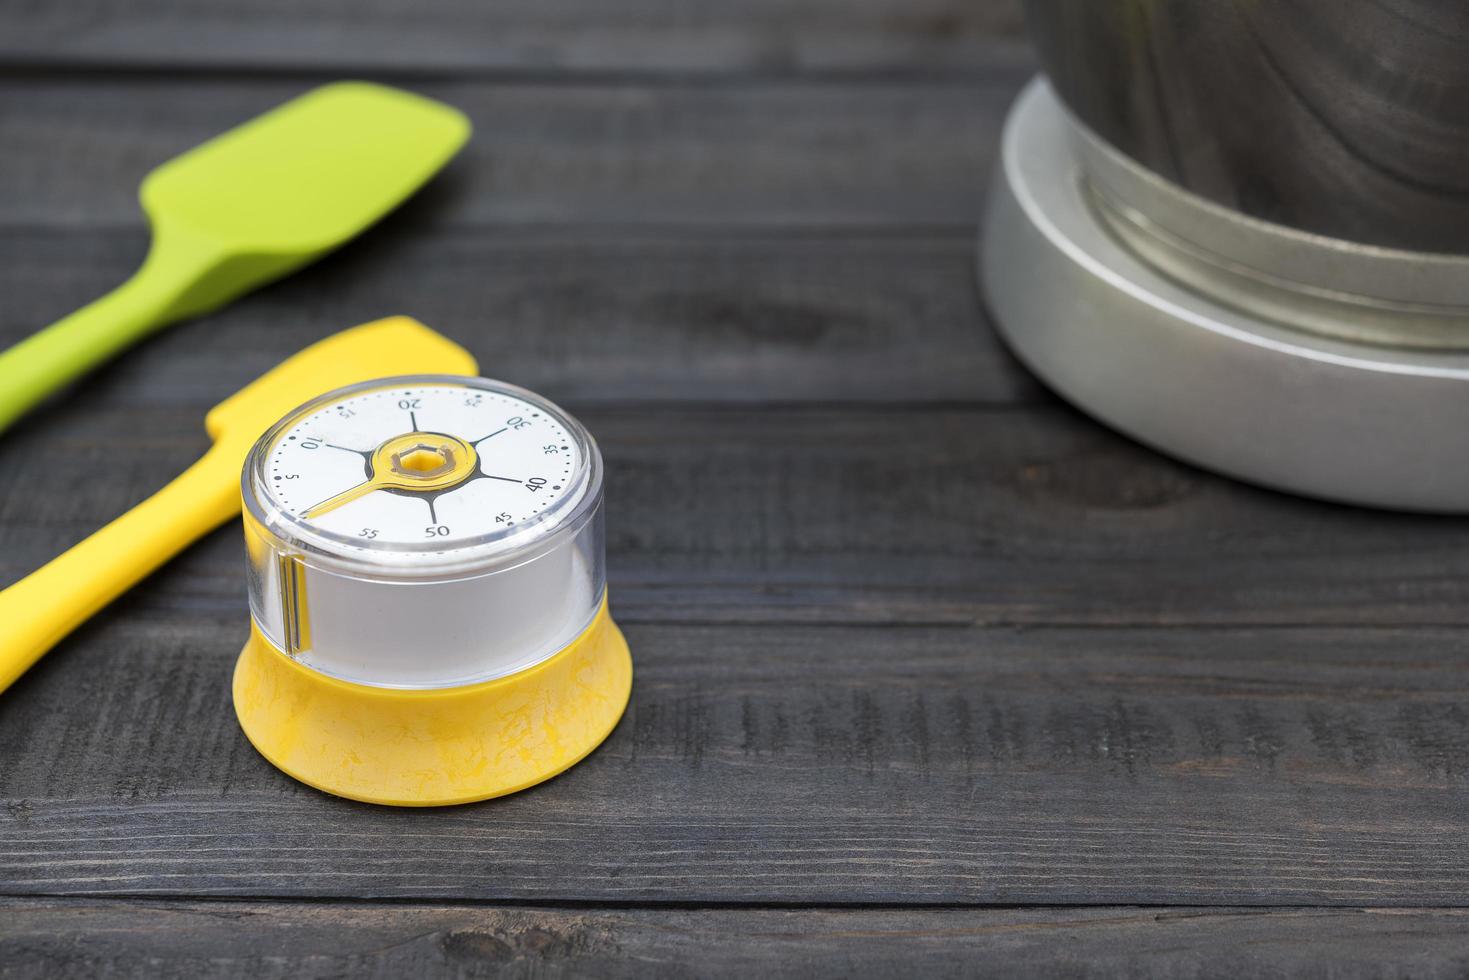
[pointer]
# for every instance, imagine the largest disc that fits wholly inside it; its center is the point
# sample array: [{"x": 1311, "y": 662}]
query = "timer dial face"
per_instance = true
[{"x": 429, "y": 466}]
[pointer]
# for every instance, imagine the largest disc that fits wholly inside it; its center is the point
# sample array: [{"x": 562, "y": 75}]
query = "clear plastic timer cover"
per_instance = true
[{"x": 425, "y": 531}]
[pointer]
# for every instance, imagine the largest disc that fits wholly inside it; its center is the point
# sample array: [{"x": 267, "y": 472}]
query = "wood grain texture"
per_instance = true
[
  {"x": 812, "y": 764},
  {"x": 791, "y": 154},
  {"x": 592, "y": 317},
  {"x": 885, "y": 514},
  {"x": 219, "y": 940},
  {"x": 907, "y": 631},
  {"x": 561, "y": 36}
]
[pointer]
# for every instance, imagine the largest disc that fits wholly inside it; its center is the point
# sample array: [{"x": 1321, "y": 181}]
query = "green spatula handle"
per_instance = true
[{"x": 48, "y": 360}]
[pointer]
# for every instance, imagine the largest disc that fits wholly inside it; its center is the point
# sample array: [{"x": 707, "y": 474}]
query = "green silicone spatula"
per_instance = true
[{"x": 245, "y": 208}]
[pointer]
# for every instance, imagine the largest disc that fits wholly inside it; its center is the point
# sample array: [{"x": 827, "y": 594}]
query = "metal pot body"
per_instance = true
[{"x": 1345, "y": 118}]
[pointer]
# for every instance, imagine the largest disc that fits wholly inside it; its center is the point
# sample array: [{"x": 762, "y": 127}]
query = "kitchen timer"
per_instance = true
[{"x": 428, "y": 606}]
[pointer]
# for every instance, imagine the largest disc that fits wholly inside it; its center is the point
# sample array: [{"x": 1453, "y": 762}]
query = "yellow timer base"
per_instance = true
[{"x": 439, "y": 746}]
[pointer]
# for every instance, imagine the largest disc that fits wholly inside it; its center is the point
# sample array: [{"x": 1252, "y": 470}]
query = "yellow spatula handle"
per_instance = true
[{"x": 41, "y": 609}]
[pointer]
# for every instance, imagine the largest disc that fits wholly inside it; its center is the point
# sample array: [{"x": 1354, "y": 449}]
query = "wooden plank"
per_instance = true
[
  {"x": 520, "y": 35},
  {"x": 770, "y": 154},
  {"x": 798, "y": 764},
  {"x": 217, "y": 940},
  {"x": 592, "y": 317},
  {"x": 1029, "y": 515}
]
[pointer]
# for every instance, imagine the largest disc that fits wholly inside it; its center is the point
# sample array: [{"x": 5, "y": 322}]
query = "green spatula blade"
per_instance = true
[
  {"x": 245, "y": 208},
  {"x": 309, "y": 175}
]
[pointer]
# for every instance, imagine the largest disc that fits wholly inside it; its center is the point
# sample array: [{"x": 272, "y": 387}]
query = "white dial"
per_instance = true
[
  {"x": 434, "y": 465},
  {"x": 424, "y": 531}
]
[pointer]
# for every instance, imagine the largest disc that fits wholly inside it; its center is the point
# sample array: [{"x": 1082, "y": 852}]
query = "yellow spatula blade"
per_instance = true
[{"x": 42, "y": 608}]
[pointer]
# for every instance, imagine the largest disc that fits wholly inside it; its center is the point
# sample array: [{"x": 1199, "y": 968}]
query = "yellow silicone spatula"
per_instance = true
[
  {"x": 42, "y": 608},
  {"x": 243, "y": 209}
]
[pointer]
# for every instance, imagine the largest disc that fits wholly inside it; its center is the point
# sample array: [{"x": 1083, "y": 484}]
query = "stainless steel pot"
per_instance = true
[
  {"x": 1347, "y": 118},
  {"x": 1239, "y": 231}
]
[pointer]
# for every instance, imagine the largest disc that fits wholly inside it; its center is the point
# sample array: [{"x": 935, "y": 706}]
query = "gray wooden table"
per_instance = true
[{"x": 934, "y": 676}]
